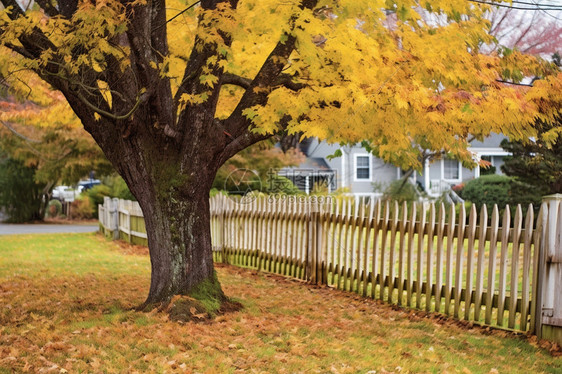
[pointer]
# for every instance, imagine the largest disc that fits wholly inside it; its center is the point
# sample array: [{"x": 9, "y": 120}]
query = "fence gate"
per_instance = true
[{"x": 551, "y": 316}]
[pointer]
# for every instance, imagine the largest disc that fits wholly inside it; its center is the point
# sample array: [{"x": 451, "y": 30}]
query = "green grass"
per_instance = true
[
  {"x": 66, "y": 303},
  {"x": 49, "y": 256}
]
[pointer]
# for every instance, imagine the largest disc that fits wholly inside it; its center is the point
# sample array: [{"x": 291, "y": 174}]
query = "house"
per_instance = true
[{"x": 359, "y": 171}]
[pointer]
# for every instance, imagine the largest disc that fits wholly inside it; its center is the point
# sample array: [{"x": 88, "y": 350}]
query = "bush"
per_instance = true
[
  {"x": 113, "y": 186},
  {"x": 401, "y": 191},
  {"x": 489, "y": 190},
  {"x": 96, "y": 195},
  {"x": 82, "y": 208},
  {"x": 54, "y": 208},
  {"x": 500, "y": 190},
  {"x": 280, "y": 185},
  {"x": 491, "y": 170},
  {"x": 458, "y": 188},
  {"x": 120, "y": 190}
]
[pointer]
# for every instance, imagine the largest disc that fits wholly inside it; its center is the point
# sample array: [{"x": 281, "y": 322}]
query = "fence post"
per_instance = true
[
  {"x": 310, "y": 263},
  {"x": 129, "y": 226},
  {"x": 114, "y": 222},
  {"x": 221, "y": 202},
  {"x": 318, "y": 257},
  {"x": 106, "y": 215},
  {"x": 550, "y": 266}
]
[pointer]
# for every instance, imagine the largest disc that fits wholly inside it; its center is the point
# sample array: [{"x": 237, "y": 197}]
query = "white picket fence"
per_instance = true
[{"x": 498, "y": 271}]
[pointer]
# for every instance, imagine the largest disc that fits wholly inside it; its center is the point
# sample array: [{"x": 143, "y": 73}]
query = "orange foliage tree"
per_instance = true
[
  {"x": 38, "y": 129},
  {"x": 170, "y": 91},
  {"x": 49, "y": 138}
]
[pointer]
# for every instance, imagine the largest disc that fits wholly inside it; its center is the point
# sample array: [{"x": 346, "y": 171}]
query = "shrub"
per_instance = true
[
  {"x": 500, "y": 190},
  {"x": 489, "y": 190},
  {"x": 490, "y": 170},
  {"x": 120, "y": 190},
  {"x": 54, "y": 208},
  {"x": 280, "y": 185},
  {"x": 96, "y": 195},
  {"x": 82, "y": 208},
  {"x": 458, "y": 188},
  {"x": 401, "y": 191},
  {"x": 113, "y": 186}
]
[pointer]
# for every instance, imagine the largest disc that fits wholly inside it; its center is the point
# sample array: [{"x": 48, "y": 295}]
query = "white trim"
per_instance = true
[
  {"x": 343, "y": 171},
  {"x": 369, "y": 157},
  {"x": 492, "y": 151},
  {"x": 426, "y": 175}
]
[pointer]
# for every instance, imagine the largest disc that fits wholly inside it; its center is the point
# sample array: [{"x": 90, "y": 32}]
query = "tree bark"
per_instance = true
[
  {"x": 172, "y": 189},
  {"x": 180, "y": 245}
]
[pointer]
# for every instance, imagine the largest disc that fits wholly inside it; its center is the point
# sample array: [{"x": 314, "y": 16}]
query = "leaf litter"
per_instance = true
[{"x": 60, "y": 322}]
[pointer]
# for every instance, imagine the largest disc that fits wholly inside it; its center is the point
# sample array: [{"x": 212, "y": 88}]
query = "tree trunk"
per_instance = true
[
  {"x": 179, "y": 240},
  {"x": 173, "y": 192}
]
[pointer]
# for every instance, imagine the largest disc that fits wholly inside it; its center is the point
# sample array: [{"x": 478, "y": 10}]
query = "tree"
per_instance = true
[
  {"x": 536, "y": 33},
  {"x": 20, "y": 195},
  {"x": 537, "y": 162},
  {"x": 513, "y": 30},
  {"x": 40, "y": 135},
  {"x": 38, "y": 128},
  {"x": 170, "y": 98}
]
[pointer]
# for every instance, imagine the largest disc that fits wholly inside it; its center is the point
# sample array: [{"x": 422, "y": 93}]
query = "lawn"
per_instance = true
[{"x": 66, "y": 306}]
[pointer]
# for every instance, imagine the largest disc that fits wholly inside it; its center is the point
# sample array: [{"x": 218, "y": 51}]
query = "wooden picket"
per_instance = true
[{"x": 429, "y": 256}]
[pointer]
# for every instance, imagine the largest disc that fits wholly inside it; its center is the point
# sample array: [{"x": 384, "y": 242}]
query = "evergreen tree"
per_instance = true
[
  {"x": 20, "y": 196},
  {"x": 537, "y": 162}
]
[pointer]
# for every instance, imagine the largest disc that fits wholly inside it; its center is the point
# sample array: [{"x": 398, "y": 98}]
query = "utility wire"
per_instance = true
[
  {"x": 535, "y": 3},
  {"x": 177, "y": 15},
  {"x": 536, "y": 7},
  {"x": 549, "y": 14}
]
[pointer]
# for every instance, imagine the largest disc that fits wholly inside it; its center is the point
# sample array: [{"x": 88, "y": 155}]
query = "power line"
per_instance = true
[
  {"x": 536, "y": 7},
  {"x": 535, "y": 3},
  {"x": 177, "y": 15},
  {"x": 550, "y": 15}
]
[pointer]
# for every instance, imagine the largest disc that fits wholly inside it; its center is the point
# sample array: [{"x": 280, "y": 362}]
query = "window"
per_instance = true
[
  {"x": 362, "y": 167},
  {"x": 451, "y": 169}
]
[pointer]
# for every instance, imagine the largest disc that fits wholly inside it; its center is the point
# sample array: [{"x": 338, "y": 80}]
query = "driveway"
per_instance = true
[{"x": 12, "y": 229}]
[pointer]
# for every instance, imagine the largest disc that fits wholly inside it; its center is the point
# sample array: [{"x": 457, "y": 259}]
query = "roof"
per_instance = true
[{"x": 309, "y": 166}]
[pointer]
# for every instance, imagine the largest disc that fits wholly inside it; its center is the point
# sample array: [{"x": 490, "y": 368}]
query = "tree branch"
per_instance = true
[
  {"x": 67, "y": 7},
  {"x": 16, "y": 12},
  {"x": 239, "y": 143},
  {"x": 15, "y": 132},
  {"x": 236, "y": 80},
  {"x": 140, "y": 99},
  {"x": 514, "y": 83},
  {"x": 286, "y": 80},
  {"x": 177, "y": 15}
]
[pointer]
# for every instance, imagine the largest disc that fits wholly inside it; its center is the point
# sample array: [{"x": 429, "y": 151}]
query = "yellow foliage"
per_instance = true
[{"x": 392, "y": 73}]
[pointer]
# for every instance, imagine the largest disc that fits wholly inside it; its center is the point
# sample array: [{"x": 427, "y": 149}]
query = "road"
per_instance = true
[{"x": 10, "y": 229}]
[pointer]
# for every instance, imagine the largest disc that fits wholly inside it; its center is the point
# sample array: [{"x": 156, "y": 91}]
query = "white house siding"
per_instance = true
[{"x": 345, "y": 165}]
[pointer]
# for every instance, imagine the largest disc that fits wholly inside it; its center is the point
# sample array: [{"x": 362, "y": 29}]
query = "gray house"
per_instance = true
[{"x": 358, "y": 170}]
